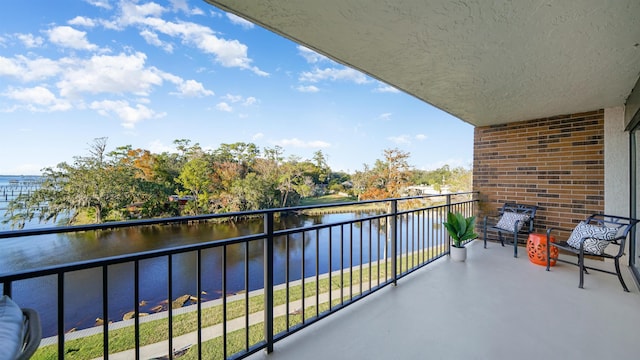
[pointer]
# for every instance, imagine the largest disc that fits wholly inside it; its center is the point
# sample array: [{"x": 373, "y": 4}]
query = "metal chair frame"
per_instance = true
[
  {"x": 624, "y": 225},
  {"x": 527, "y": 227}
]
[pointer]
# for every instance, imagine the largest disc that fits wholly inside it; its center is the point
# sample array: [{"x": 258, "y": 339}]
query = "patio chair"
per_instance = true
[
  {"x": 513, "y": 219},
  {"x": 600, "y": 236},
  {"x": 20, "y": 330}
]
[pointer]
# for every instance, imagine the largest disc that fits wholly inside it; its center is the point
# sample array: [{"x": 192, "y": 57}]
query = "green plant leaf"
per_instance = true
[
  {"x": 462, "y": 222},
  {"x": 460, "y": 228}
]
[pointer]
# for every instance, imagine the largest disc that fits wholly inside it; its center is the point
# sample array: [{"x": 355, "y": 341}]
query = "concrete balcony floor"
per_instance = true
[{"x": 493, "y": 306}]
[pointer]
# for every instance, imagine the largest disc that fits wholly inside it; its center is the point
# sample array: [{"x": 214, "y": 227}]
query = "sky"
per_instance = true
[{"x": 145, "y": 73}]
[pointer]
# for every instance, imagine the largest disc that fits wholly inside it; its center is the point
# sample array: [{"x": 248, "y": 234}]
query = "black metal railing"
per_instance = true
[{"x": 322, "y": 267}]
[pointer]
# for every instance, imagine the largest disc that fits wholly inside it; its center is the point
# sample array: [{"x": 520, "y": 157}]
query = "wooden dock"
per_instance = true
[{"x": 13, "y": 190}]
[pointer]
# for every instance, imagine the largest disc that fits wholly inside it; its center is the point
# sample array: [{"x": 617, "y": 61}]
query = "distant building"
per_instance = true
[{"x": 420, "y": 190}]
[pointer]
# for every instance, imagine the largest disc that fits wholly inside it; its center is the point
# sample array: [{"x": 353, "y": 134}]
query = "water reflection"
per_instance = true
[{"x": 324, "y": 249}]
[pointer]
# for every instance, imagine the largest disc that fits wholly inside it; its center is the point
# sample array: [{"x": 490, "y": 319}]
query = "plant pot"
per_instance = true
[{"x": 458, "y": 253}]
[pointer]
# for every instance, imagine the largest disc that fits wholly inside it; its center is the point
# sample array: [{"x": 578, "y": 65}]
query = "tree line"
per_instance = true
[{"x": 129, "y": 183}]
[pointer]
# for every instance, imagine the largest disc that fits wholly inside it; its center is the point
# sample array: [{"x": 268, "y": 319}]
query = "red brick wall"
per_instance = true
[{"x": 556, "y": 163}]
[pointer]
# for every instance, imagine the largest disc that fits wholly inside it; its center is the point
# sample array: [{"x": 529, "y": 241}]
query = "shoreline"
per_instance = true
[{"x": 98, "y": 329}]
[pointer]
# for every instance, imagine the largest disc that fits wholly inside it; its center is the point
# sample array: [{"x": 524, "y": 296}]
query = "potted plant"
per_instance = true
[{"x": 460, "y": 229}]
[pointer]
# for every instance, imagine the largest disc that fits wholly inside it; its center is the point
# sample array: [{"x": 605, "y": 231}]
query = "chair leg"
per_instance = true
[
  {"x": 485, "y": 232},
  {"x": 581, "y": 265},
  {"x": 624, "y": 286},
  {"x": 585, "y": 269},
  {"x": 515, "y": 244}
]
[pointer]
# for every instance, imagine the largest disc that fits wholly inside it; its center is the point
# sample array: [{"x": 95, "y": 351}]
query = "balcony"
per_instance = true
[
  {"x": 497, "y": 306},
  {"x": 248, "y": 290}
]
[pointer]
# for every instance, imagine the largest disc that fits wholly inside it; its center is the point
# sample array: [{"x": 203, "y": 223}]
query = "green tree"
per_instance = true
[
  {"x": 196, "y": 178},
  {"x": 322, "y": 168},
  {"x": 253, "y": 193},
  {"x": 98, "y": 185},
  {"x": 388, "y": 177},
  {"x": 461, "y": 180}
]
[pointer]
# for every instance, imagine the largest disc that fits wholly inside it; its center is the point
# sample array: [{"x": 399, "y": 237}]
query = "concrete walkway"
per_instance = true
[{"x": 161, "y": 348}]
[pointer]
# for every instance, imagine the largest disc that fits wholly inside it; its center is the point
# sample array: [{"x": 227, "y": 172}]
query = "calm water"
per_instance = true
[{"x": 83, "y": 289}]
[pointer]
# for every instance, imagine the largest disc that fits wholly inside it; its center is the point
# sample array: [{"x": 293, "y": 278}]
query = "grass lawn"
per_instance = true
[
  {"x": 155, "y": 331},
  {"x": 326, "y": 199},
  {"x": 336, "y": 199}
]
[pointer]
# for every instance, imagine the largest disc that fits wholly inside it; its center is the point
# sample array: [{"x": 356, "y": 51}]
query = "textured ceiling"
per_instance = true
[{"x": 486, "y": 62}]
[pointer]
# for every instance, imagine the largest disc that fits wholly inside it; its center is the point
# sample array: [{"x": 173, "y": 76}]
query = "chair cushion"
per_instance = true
[
  {"x": 599, "y": 237},
  {"x": 508, "y": 221},
  {"x": 11, "y": 328}
]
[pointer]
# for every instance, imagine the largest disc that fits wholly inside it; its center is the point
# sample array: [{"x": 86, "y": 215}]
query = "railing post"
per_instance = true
[
  {"x": 268, "y": 281},
  {"x": 6, "y": 289},
  {"x": 446, "y": 215},
  {"x": 394, "y": 238},
  {"x": 61, "y": 315}
]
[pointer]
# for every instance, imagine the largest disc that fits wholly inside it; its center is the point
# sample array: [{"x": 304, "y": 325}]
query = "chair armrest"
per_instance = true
[
  {"x": 549, "y": 230},
  {"x": 552, "y": 229},
  {"x": 491, "y": 217}
]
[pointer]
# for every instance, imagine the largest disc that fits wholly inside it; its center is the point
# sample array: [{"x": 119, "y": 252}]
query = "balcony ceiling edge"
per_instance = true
[{"x": 483, "y": 62}]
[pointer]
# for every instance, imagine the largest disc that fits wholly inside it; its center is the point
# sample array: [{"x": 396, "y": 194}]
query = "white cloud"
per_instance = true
[
  {"x": 181, "y": 5},
  {"x": 311, "y": 56},
  {"x": 223, "y": 106},
  {"x": 192, "y": 88},
  {"x": 110, "y": 74},
  {"x": 101, "y": 74},
  {"x": 82, "y": 21},
  {"x": 257, "y": 136},
  {"x": 129, "y": 115},
  {"x": 27, "y": 70},
  {"x": 232, "y": 98},
  {"x": 237, "y": 20},
  {"x": 385, "y": 89},
  {"x": 132, "y": 13},
  {"x": 37, "y": 95},
  {"x": 66, "y": 36},
  {"x": 421, "y": 137},
  {"x": 295, "y": 142},
  {"x": 240, "y": 99},
  {"x": 228, "y": 53},
  {"x": 334, "y": 74},
  {"x": 400, "y": 140},
  {"x": 385, "y": 116},
  {"x": 157, "y": 147},
  {"x": 37, "y": 98},
  {"x": 100, "y": 3},
  {"x": 152, "y": 38},
  {"x": 308, "y": 89},
  {"x": 250, "y": 101},
  {"x": 30, "y": 41}
]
